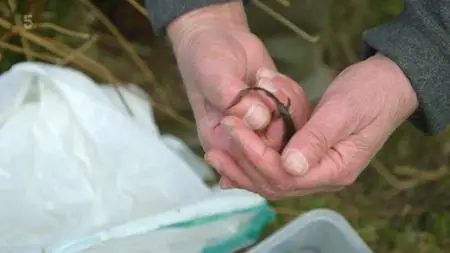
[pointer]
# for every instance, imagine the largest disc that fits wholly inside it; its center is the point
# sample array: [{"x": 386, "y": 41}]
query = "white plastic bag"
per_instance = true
[{"x": 78, "y": 174}]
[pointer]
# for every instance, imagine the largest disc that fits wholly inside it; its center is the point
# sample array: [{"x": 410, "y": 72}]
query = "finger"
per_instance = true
[
  {"x": 277, "y": 182},
  {"x": 226, "y": 183},
  {"x": 326, "y": 177},
  {"x": 228, "y": 168},
  {"x": 291, "y": 95},
  {"x": 257, "y": 58},
  {"x": 344, "y": 162},
  {"x": 224, "y": 90},
  {"x": 221, "y": 74},
  {"x": 237, "y": 71},
  {"x": 288, "y": 92},
  {"x": 233, "y": 125},
  {"x": 331, "y": 122},
  {"x": 221, "y": 69},
  {"x": 266, "y": 170},
  {"x": 211, "y": 133}
]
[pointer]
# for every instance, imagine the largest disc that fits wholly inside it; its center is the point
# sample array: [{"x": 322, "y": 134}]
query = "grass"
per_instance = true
[{"x": 398, "y": 204}]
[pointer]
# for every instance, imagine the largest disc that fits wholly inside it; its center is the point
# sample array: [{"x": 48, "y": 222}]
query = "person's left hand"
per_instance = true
[{"x": 354, "y": 118}]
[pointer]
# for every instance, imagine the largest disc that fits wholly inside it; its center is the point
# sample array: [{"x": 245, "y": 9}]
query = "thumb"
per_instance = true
[
  {"x": 223, "y": 92},
  {"x": 329, "y": 124}
]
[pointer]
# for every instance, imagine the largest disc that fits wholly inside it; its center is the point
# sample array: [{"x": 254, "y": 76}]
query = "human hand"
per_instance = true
[
  {"x": 218, "y": 57},
  {"x": 354, "y": 118}
]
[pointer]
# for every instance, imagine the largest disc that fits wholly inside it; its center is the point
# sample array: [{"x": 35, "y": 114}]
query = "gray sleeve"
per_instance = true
[
  {"x": 162, "y": 12},
  {"x": 419, "y": 42}
]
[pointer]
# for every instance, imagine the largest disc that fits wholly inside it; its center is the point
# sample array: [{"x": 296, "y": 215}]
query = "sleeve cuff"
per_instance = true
[
  {"x": 162, "y": 12},
  {"x": 424, "y": 62}
]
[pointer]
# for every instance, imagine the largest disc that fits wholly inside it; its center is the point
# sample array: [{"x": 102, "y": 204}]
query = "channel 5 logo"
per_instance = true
[{"x": 32, "y": 8}]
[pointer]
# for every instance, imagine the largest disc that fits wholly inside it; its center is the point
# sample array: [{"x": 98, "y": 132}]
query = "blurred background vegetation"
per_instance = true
[{"x": 400, "y": 202}]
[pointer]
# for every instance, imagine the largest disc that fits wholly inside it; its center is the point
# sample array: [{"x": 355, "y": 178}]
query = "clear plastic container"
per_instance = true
[{"x": 318, "y": 231}]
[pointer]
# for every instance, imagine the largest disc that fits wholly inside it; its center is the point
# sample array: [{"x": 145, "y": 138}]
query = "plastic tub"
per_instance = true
[{"x": 318, "y": 231}]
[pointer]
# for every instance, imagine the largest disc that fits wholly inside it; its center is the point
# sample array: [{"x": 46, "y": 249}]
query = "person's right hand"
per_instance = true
[{"x": 218, "y": 57}]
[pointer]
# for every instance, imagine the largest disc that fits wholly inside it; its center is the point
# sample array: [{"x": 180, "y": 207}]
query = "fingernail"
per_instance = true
[
  {"x": 265, "y": 73},
  {"x": 267, "y": 84},
  {"x": 295, "y": 162},
  {"x": 257, "y": 116}
]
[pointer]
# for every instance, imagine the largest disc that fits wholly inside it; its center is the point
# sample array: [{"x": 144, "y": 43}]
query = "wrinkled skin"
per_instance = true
[
  {"x": 218, "y": 56},
  {"x": 354, "y": 118}
]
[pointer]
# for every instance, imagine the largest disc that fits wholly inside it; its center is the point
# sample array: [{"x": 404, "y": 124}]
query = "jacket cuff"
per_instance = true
[
  {"x": 162, "y": 12},
  {"x": 422, "y": 57}
]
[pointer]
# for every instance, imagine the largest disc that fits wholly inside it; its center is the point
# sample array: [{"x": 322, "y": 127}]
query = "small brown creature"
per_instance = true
[{"x": 283, "y": 111}]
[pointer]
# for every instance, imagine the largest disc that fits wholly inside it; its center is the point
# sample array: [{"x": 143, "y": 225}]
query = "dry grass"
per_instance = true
[{"x": 34, "y": 45}]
